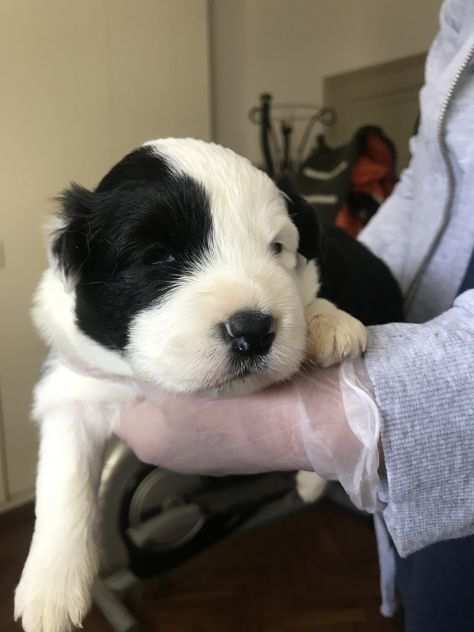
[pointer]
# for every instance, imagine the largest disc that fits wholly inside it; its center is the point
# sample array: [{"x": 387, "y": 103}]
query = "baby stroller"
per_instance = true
[{"x": 153, "y": 520}]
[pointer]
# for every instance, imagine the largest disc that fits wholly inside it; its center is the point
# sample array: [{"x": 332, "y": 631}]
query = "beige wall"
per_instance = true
[
  {"x": 286, "y": 47},
  {"x": 81, "y": 83},
  {"x": 3, "y": 490}
]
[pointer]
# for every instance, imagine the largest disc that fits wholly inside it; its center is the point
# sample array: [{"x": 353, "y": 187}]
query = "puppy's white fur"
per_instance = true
[{"x": 79, "y": 398}]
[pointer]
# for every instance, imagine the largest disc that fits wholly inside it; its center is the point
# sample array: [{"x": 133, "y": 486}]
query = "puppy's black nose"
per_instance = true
[{"x": 250, "y": 332}]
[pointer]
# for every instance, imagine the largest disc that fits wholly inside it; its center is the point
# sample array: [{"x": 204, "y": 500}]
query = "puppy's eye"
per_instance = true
[
  {"x": 276, "y": 247},
  {"x": 157, "y": 256}
]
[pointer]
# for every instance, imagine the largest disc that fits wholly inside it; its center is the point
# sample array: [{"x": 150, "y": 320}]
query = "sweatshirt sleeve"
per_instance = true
[{"x": 423, "y": 380}]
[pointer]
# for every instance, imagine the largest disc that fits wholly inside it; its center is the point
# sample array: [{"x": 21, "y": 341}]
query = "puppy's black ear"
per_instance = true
[
  {"x": 304, "y": 217},
  {"x": 70, "y": 242}
]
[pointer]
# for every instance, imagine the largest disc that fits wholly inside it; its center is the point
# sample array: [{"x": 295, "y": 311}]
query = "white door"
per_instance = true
[{"x": 81, "y": 84}]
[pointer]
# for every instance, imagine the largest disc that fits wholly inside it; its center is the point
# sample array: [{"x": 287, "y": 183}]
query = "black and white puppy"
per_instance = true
[{"x": 185, "y": 269}]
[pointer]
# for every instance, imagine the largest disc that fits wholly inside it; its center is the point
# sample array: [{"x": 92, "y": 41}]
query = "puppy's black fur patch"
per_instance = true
[
  {"x": 357, "y": 281},
  {"x": 128, "y": 242}
]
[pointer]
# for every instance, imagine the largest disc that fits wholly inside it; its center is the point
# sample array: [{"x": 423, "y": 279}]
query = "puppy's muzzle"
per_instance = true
[{"x": 249, "y": 333}]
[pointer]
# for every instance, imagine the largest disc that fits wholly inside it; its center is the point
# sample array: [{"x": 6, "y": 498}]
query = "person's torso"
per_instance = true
[{"x": 438, "y": 251}]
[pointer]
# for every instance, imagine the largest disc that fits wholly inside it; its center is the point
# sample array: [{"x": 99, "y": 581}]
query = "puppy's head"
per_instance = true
[{"x": 185, "y": 268}]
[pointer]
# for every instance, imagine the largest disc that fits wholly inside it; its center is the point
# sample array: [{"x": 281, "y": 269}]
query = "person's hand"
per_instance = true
[{"x": 300, "y": 425}]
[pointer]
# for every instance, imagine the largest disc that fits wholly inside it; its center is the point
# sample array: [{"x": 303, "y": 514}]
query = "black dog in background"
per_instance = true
[{"x": 353, "y": 278}]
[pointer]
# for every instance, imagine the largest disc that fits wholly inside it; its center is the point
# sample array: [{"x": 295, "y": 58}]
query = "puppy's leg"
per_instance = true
[
  {"x": 333, "y": 335},
  {"x": 309, "y": 486},
  {"x": 54, "y": 591}
]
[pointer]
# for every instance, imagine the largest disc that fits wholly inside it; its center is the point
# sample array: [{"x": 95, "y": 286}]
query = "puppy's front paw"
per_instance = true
[
  {"x": 54, "y": 593},
  {"x": 309, "y": 486},
  {"x": 333, "y": 335}
]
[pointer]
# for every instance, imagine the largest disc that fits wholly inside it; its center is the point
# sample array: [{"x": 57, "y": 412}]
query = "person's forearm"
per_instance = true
[{"x": 300, "y": 425}]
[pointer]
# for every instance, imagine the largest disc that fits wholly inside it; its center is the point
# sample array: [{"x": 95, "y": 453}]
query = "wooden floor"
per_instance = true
[{"x": 312, "y": 572}]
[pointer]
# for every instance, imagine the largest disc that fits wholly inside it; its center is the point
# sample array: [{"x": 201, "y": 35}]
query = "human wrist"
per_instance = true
[
  {"x": 340, "y": 427},
  {"x": 321, "y": 419},
  {"x": 364, "y": 421}
]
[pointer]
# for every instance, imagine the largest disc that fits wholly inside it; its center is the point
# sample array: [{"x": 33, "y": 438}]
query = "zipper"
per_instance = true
[{"x": 447, "y": 211}]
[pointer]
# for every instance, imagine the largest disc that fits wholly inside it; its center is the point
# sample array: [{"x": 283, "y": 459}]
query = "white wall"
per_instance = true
[
  {"x": 81, "y": 83},
  {"x": 286, "y": 47}
]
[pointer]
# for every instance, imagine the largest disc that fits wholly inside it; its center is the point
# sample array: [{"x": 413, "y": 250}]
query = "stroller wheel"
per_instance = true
[
  {"x": 160, "y": 517},
  {"x": 143, "y": 508}
]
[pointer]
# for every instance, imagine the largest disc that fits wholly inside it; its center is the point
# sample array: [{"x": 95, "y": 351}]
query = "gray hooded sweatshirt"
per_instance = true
[{"x": 422, "y": 372}]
